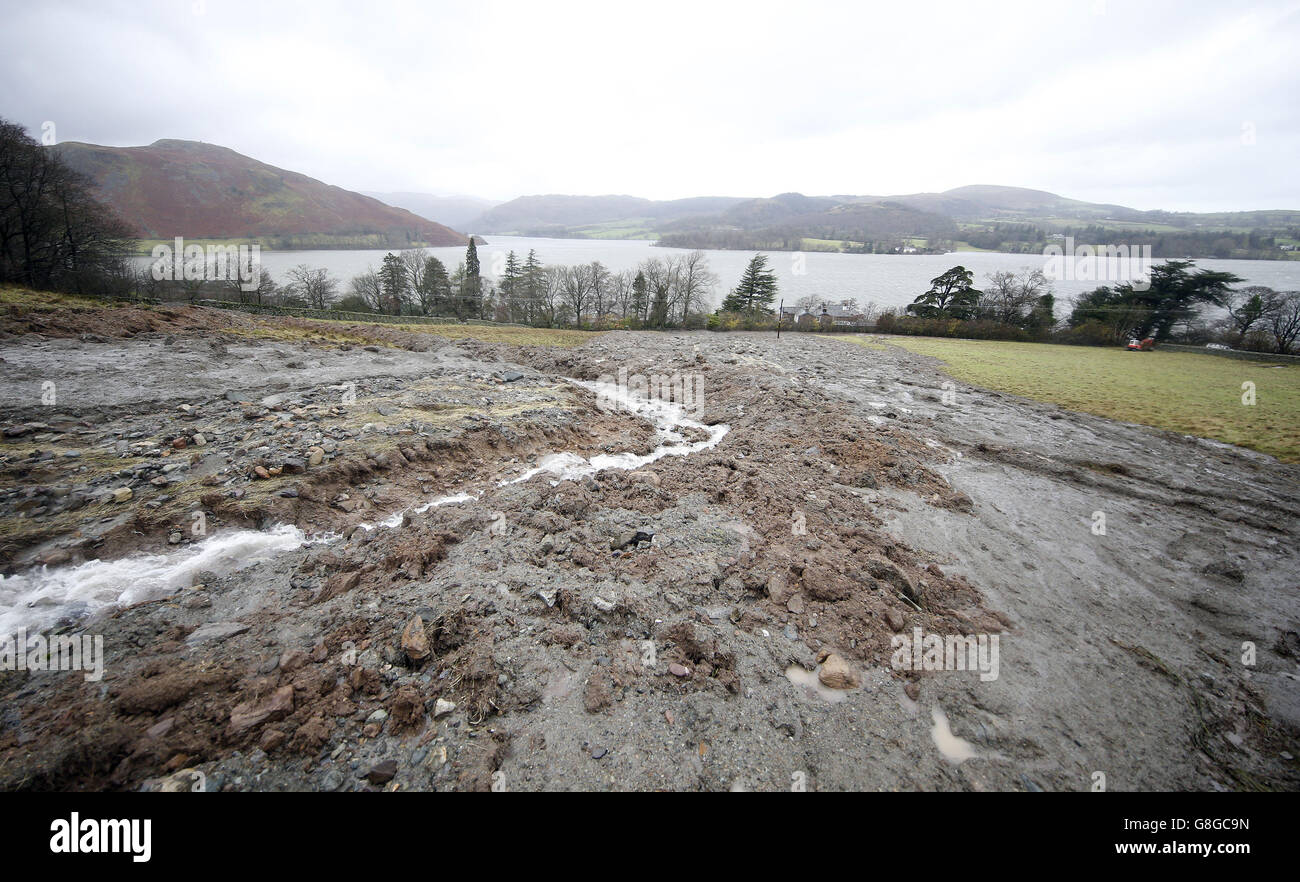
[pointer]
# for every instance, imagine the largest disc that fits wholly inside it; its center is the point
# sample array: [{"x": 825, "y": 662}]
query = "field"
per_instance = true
[{"x": 1181, "y": 392}]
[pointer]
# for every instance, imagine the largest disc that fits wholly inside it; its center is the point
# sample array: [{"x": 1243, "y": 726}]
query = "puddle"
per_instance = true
[
  {"x": 954, "y": 749},
  {"x": 808, "y": 680}
]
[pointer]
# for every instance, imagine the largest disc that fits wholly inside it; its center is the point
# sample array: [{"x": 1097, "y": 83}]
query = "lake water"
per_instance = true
[{"x": 886, "y": 279}]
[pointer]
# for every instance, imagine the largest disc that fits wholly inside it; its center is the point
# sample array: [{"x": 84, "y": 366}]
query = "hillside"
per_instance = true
[
  {"x": 457, "y": 212},
  {"x": 973, "y": 217},
  {"x": 203, "y": 191}
]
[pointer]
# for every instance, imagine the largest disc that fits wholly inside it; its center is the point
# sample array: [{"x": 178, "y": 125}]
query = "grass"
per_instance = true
[{"x": 1182, "y": 392}]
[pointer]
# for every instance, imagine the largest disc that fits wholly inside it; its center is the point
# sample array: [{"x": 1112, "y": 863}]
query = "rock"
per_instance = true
[
  {"x": 678, "y": 670},
  {"x": 415, "y": 643},
  {"x": 261, "y": 472},
  {"x": 442, "y": 707},
  {"x": 912, "y": 690},
  {"x": 836, "y": 673},
  {"x": 292, "y": 660},
  {"x": 215, "y": 631},
  {"x": 314, "y": 456},
  {"x": 511, "y": 376},
  {"x": 795, "y": 604},
  {"x": 161, "y": 728},
  {"x": 122, "y": 494},
  {"x": 823, "y": 583},
  {"x": 179, "y": 443},
  {"x": 200, "y": 440},
  {"x": 382, "y": 773},
  {"x": 340, "y": 583},
  {"x": 294, "y": 466},
  {"x": 270, "y": 740},
  {"x": 887, "y": 571},
  {"x": 894, "y": 619},
  {"x": 246, "y": 715},
  {"x": 644, "y": 475}
]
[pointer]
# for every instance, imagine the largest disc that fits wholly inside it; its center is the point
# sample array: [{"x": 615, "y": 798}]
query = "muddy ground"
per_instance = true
[{"x": 653, "y": 629}]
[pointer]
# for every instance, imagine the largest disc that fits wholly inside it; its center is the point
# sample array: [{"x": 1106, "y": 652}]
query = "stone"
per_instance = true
[
  {"x": 383, "y": 772},
  {"x": 248, "y": 714},
  {"x": 678, "y": 670},
  {"x": 836, "y": 673},
  {"x": 122, "y": 494},
  {"x": 894, "y": 619},
  {"x": 314, "y": 456},
  {"x": 215, "y": 631},
  {"x": 415, "y": 642},
  {"x": 442, "y": 707},
  {"x": 261, "y": 472}
]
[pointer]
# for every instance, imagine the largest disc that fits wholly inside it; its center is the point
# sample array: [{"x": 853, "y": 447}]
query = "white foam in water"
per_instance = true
[
  {"x": 667, "y": 417},
  {"x": 395, "y": 520},
  {"x": 40, "y": 597}
]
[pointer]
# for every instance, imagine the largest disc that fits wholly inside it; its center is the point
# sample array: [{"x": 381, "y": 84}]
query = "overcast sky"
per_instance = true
[{"x": 1178, "y": 105}]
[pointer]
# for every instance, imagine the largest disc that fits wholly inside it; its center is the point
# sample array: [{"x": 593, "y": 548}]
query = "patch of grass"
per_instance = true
[
  {"x": 47, "y": 301},
  {"x": 1181, "y": 392}
]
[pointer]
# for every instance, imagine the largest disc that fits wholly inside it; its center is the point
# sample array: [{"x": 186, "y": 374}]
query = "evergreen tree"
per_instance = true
[
  {"x": 531, "y": 284},
  {"x": 639, "y": 297},
  {"x": 472, "y": 290},
  {"x": 435, "y": 291},
  {"x": 950, "y": 296},
  {"x": 756, "y": 291},
  {"x": 394, "y": 283}
]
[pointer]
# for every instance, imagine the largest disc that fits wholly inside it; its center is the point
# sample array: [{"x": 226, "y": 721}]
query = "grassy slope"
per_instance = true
[{"x": 1179, "y": 391}]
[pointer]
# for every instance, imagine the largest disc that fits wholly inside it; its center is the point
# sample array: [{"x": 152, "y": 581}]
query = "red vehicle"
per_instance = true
[{"x": 1146, "y": 345}]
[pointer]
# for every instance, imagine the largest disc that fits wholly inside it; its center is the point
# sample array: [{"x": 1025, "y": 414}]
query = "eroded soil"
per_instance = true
[{"x": 633, "y": 630}]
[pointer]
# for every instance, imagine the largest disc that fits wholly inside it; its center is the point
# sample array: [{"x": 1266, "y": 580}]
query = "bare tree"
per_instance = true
[
  {"x": 316, "y": 286},
  {"x": 1284, "y": 322},
  {"x": 367, "y": 288}
]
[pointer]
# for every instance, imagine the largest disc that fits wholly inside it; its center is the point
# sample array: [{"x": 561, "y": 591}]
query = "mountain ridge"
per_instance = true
[{"x": 175, "y": 187}]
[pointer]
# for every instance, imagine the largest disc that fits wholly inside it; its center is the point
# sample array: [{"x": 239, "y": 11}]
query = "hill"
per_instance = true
[
  {"x": 203, "y": 191},
  {"x": 457, "y": 212}
]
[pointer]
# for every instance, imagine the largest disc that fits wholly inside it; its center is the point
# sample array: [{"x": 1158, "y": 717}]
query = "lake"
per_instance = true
[{"x": 886, "y": 279}]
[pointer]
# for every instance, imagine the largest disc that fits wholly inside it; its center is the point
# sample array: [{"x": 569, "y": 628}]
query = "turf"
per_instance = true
[{"x": 1182, "y": 392}]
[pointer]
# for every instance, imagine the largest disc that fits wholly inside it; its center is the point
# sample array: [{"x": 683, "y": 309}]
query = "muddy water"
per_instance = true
[{"x": 45, "y": 597}]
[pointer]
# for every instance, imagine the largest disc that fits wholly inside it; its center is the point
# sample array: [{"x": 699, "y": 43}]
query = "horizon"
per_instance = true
[{"x": 748, "y": 104}]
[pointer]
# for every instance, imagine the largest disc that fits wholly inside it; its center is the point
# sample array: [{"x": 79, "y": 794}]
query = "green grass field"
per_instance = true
[{"x": 1182, "y": 392}]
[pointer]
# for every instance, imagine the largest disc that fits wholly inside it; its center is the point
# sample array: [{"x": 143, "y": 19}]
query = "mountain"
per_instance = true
[
  {"x": 457, "y": 212},
  {"x": 580, "y": 216},
  {"x": 203, "y": 191}
]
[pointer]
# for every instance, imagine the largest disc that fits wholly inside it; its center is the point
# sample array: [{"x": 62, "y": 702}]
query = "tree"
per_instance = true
[
  {"x": 1250, "y": 306},
  {"x": 368, "y": 289},
  {"x": 756, "y": 291},
  {"x": 395, "y": 284},
  {"x": 951, "y": 295},
  {"x": 639, "y": 297},
  {"x": 53, "y": 233},
  {"x": 1013, "y": 298},
  {"x": 1284, "y": 322},
  {"x": 1174, "y": 293},
  {"x": 315, "y": 286},
  {"x": 471, "y": 289},
  {"x": 434, "y": 291}
]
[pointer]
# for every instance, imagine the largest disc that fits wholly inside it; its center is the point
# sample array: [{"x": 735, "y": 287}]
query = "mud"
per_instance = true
[{"x": 638, "y": 629}]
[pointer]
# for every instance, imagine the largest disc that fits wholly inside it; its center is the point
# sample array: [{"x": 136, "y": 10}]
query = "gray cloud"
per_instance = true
[{"x": 1157, "y": 105}]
